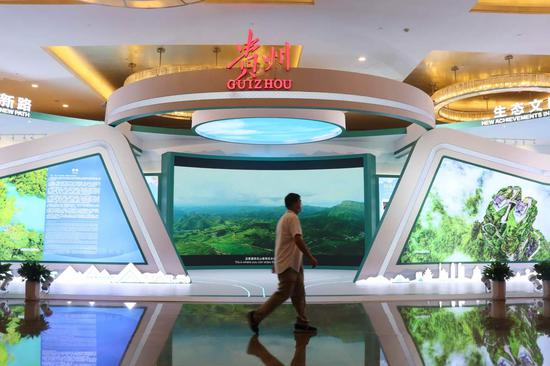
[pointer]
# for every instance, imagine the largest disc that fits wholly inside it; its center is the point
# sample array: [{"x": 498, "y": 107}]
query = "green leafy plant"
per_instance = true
[
  {"x": 4, "y": 322},
  {"x": 34, "y": 271},
  {"x": 543, "y": 270},
  {"x": 5, "y": 273},
  {"x": 497, "y": 271}
]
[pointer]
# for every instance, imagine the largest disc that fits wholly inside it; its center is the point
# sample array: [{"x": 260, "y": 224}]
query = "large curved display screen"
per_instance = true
[
  {"x": 474, "y": 214},
  {"x": 67, "y": 212},
  {"x": 226, "y": 211}
]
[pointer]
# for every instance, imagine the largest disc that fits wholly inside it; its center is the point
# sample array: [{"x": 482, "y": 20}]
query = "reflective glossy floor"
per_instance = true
[{"x": 370, "y": 333}]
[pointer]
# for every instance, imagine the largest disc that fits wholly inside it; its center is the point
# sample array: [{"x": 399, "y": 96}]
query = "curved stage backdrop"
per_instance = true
[{"x": 225, "y": 210}]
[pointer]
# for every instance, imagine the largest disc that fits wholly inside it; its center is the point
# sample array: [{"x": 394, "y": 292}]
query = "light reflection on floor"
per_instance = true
[
  {"x": 370, "y": 333},
  {"x": 215, "y": 334}
]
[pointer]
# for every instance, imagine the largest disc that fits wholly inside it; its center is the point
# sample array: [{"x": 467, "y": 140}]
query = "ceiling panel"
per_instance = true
[
  {"x": 394, "y": 36},
  {"x": 435, "y": 71},
  {"x": 513, "y": 6}
]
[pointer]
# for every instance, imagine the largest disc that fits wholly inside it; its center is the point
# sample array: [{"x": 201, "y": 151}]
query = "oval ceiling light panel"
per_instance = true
[
  {"x": 268, "y": 127},
  {"x": 268, "y": 130}
]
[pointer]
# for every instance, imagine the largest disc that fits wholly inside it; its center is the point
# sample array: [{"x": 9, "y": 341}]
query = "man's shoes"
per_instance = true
[
  {"x": 304, "y": 328},
  {"x": 252, "y": 323}
]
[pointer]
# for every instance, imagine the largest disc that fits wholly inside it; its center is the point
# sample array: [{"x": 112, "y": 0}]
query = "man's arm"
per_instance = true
[{"x": 301, "y": 244}]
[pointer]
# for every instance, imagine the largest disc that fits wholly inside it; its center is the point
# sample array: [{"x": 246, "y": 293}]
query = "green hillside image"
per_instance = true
[
  {"x": 506, "y": 231},
  {"x": 22, "y": 208},
  {"x": 491, "y": 216},
  {"x": 250, "y": 230}
]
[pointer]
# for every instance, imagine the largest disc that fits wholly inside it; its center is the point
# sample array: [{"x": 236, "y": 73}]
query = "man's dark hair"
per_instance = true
[{"x": 291, "y": 199}]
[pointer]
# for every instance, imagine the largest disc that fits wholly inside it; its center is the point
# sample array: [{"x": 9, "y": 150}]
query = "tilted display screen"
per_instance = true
[
  {"x": 68, "y": 212},
  {"x": 226, "y": 211},
  {"x": 475, "y": 214}
]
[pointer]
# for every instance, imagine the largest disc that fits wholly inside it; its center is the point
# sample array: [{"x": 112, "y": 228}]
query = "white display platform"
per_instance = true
[{"x": 253, "y": 285}]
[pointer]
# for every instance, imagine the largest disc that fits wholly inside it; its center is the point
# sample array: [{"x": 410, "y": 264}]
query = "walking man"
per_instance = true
[{"x": 289, "y": 251}]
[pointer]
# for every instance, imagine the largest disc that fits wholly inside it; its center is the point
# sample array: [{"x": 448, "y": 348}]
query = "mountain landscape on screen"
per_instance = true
[{"x": 227, "y": 230}]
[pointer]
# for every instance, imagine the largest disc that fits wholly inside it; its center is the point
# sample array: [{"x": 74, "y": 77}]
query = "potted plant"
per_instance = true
[
  {"x": 5, "y": 276},
  {"x": 543, "y": 274},
  {"x": 33, "y": 273},
  {"x": 498, "y": 272}
]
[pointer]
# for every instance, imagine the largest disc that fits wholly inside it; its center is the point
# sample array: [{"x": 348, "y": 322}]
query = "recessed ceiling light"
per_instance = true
[
  {"x": 65, "y": 106},
  {"x": 34, "y": 85},
  {"x": 361, "y": 59}
]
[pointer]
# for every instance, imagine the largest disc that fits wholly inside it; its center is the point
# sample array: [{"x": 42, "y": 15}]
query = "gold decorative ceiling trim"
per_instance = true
[
  {"x": 463, "y": 116},
  {"x": 183, "y": 115},
  {"x": 513, "y": 6},
  {"x": 165, "y": 70},
  {"x": 440, "y": 69},
  {"x": 493, "y": 85},
  {"x": 82, "y": 69}
]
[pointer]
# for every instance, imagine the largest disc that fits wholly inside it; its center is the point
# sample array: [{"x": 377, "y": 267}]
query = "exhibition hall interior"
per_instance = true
[{"x": 274, "y": 182}]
